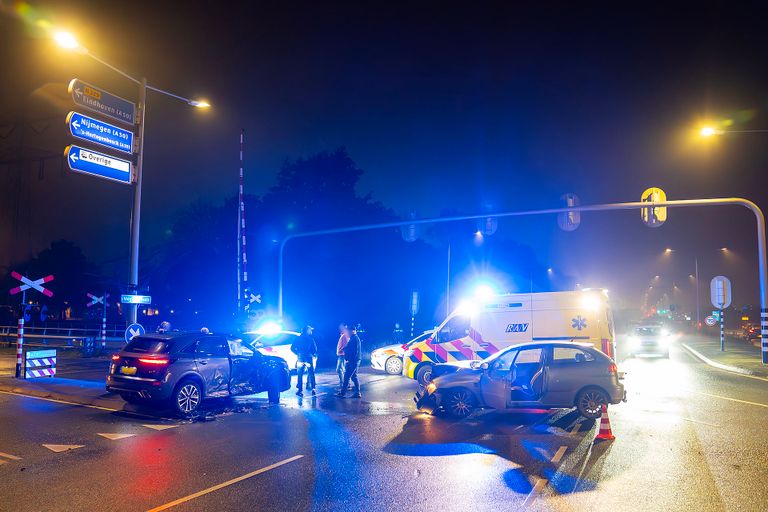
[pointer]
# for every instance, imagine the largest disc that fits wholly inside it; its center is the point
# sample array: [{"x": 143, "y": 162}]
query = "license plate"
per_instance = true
[{"x": 128, "y": 370}]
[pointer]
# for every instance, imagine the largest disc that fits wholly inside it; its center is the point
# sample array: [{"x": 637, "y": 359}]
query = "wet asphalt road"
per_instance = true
[{"x": 690, "y": 437}]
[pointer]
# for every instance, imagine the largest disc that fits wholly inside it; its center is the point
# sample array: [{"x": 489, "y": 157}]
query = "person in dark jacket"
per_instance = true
[
  {"x": 305, "y": 349},
  {"x": 352, "y": 356}
]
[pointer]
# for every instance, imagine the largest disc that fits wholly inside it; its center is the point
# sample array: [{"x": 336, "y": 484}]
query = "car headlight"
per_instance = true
[
  {"x": 431, "y": 388},
  {"x": 634, "y": 340}
]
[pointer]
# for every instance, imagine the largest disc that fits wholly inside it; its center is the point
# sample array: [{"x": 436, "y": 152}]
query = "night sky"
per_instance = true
[{"x": 445, "y": 106}]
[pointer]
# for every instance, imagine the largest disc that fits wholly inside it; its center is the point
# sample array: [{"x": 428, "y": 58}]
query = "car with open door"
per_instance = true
[
  {"x": 185, "y": 368},
  {"x": 543, "y": 375}
]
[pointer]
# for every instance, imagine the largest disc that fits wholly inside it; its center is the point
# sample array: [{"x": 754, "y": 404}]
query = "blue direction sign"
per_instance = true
[
  {"x": 99, "y": 132},
  {"x": 134, "y": 330},
  {"x": 98, "y": 164},
  {"x": 136, "y": 299},
  {"x": 101, "y": 101}
]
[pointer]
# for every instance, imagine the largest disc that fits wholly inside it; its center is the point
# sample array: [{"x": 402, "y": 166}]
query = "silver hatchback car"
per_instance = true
[{"x": 548, "y": 375}]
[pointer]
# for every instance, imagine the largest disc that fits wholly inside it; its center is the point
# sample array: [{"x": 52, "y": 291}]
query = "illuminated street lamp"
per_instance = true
[{"x": 68, "y": 41}]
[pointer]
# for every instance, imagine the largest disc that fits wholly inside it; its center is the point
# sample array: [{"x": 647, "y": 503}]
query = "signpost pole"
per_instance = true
[
  {"x": 133, "y": 282},
  {"x": 722, "y": 331}
]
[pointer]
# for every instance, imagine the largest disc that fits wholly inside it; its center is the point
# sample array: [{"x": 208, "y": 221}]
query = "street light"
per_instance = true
[{"x": 68, "y": 41}]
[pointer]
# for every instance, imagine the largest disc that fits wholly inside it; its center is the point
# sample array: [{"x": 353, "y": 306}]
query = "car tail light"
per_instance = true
[
  {"x": 612, "y": 368},
  {"x": 115, "y": 357},
  {"x": 153, "y": 361}
]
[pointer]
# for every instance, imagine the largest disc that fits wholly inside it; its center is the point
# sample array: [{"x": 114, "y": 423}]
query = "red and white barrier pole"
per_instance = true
[
  {"x": 104, "y": 334},
  {"x": 20, "y": 349}
]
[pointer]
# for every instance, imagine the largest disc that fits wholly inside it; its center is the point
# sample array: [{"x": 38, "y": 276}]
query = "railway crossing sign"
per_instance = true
[
  {"x": 255, "y": 298},
  {"x": 720, "y": 291},
  {"x": 28, "y": 283},
  {"x": 99, "y": 132},
  {"x": 98, "y": 164},
  {"x": 134, "y": 330},
  {"x": 95, "y": 300},
  {"x": 102, "y": 102}
]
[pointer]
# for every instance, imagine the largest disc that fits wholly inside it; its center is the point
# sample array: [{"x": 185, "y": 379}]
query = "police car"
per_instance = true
[{"x": 389, "y": 359}]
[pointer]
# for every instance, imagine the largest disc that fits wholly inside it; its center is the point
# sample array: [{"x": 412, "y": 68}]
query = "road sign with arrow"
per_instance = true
[
  {"x": 99, "y": 100},
  {"x": 98, "y": 164},
  {"x": 99, "y": 132}
]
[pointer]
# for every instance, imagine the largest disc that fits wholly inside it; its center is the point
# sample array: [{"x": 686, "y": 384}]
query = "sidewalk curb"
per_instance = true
[
  {"x": 14, "y": 389},
  {"x": 720, "y": 366}
]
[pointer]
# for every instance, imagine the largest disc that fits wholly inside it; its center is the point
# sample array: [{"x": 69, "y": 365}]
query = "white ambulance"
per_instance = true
[{"x": 478, "y": 329}]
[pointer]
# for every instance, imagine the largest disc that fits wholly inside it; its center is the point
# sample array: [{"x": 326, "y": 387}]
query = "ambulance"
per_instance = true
[{"x": 482, "y": 327}]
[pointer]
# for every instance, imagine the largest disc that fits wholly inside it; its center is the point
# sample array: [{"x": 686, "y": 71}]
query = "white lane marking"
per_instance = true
[
  {"x": 160, "y": 427},
  {"x": 756, "y": 404},
  {"x": 542, "y": 482},
  {"x": 224, "y": 484},
  {"x": 63, "y": 447},
  {"x": 115, "y": 437},
  {"x": 9, "y": 456},
  {"x": 61, "y": 401}
]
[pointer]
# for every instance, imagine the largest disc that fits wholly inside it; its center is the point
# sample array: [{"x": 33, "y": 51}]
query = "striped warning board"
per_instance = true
[{"x": 40, "y": 363}]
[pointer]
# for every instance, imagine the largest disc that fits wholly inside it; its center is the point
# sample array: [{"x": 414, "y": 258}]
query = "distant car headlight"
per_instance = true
[
  {"x": 664, "y": 332},
  {"x": 431, "y": 387}
]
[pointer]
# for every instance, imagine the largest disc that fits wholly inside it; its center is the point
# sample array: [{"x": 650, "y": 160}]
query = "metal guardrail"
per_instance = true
[{"x": 113, "y": 331}]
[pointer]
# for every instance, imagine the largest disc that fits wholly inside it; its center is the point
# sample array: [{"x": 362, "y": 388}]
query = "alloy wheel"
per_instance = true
[
  {"x": 461, "y": 403},
  {"x": 188, "y": 398},
  {"x": 394, "y": 365},
  {"x": 592, "y": 402}
]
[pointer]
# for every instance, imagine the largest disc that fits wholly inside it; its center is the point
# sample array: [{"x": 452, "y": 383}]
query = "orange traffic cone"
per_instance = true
[{"x": 605, "y": 427}]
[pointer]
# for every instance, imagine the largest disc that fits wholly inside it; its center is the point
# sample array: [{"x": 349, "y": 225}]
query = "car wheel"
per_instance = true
[
  {"x": 460, "y": 403},
  {"x": 590, "y": 402},
  {"x": 187, "y": 397},
  {"x": 394, "y": 365},
  {"x": 424, "y": 375}
]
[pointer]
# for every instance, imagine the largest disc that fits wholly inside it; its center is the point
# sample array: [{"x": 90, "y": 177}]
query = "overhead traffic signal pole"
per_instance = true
[{"x": 725, "y": 201}]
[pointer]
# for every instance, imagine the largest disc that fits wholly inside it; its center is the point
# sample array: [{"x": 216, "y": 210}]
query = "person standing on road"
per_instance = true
[
  {"x": 352, "y": 356},
  {"x": 305, "y": 349},
  {"x": 343, "y": 340}
]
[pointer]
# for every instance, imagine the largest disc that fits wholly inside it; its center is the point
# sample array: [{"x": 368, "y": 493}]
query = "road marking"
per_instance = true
[
  {"x": 160, "y": 427},
  {"x": 736, "y": 400},
  {"x": 61, "y": 401},
  {"x": 9, "y": 456},
  {"x": 62, "y": 447},
  {"x": 542, "y": 482},
  {"x": 559, "y": 454},
  {"x": 115, "y": 437},
  {"x": 576, "y": 428},
  {"x": 538, "y": 486},
  {"x": 224, "y": 484}
]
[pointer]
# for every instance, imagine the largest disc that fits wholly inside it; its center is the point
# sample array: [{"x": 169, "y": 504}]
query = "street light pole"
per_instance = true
[
  {"x": 133, "y": 281},
  {"x": 698, "y": 308},
  {"x": 68, "y": 41}
]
